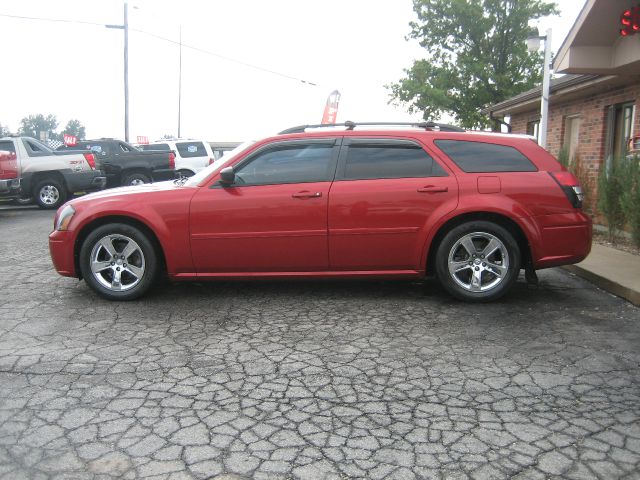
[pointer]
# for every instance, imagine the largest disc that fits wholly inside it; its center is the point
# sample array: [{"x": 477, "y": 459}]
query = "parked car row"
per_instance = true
[
  {"x": 31, "y": 171},
  {"x": 124, "y": 164},
  {"x": 473, "y": 208},
  {"x": 191, "y": 155}
]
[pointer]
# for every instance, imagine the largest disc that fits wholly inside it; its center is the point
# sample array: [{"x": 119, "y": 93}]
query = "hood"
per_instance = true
[{"x": 123, "y": 192}]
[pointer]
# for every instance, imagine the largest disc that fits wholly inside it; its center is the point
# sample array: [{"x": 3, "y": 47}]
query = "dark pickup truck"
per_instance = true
[{"x": 124, "y": 164}]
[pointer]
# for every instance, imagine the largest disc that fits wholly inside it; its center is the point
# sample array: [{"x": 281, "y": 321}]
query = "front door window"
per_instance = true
[{"x": 287, "y": 164}]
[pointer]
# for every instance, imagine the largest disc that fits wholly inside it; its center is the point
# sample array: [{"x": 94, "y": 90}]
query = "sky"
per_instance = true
[{"x": 250, "y": 68}]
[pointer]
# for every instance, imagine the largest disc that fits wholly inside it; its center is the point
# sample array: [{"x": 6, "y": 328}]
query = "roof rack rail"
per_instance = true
[{"x": 349, "y": 125}]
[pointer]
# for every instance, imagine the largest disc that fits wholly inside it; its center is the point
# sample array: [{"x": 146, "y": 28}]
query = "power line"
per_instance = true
[
  {"x": 160, "y": 37},
  {"x": 60, "y": 20},
  {"x": 229, "y": 59}
]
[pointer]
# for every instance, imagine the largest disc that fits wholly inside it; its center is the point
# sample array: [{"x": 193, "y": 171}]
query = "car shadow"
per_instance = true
[{"x": 556, "y": 286}]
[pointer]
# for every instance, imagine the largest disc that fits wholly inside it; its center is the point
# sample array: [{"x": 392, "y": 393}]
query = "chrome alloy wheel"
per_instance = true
[
  {"x": 49, "y": 194},
  {"x": 117, "y": 262},
  {"x": 136, "y": 182},
  {"x": 478, "y": 262}
]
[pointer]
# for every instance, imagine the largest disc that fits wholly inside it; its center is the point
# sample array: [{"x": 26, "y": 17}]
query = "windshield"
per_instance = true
[{"x": 218, "y": 164}]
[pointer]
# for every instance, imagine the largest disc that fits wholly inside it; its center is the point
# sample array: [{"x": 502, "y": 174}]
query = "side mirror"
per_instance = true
[{"x": 227, "y": 176}]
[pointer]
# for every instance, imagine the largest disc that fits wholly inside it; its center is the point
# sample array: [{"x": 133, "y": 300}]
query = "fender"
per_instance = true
[
  {"x": 499, "y": 205},
  {"x": 167, "y": 218}
]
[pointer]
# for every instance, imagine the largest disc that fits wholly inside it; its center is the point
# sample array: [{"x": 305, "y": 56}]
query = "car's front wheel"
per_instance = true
[
  {"x": 478, "y": 261},
  {"x": 118, "y": 261}
]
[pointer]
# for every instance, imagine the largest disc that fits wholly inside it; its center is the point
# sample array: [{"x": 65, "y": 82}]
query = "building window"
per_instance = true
[
  {"x": 533, "y": 129},
  {"x": 571, "y": 135},
  {"x": 619, "y": 129}
]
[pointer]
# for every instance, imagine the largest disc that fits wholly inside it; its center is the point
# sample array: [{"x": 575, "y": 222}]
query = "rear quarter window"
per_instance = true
[
  {"x": 480, "y": 157},
  {"x": 191, "y": 149}
]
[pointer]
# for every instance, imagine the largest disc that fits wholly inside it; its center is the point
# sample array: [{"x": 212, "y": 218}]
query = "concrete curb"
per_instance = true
[{"x": 604, "y": 283}]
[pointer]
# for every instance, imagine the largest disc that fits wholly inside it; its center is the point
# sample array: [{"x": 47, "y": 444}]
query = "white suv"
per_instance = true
[{"x": 191, "y": 155}]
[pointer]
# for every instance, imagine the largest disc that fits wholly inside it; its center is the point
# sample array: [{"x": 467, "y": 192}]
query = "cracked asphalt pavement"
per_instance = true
[{"x": 311, "y": 380}]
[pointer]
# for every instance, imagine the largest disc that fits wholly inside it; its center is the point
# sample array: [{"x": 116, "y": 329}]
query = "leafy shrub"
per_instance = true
[
  {"x": 576, "y": 166},
  {"x": 630, "y": 196},
  {"x": 563, "y": 156},
  {"x": 610, "y": 185}
]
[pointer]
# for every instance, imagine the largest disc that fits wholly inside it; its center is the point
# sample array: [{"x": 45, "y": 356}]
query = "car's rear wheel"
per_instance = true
[
  {"x": 118, "y": 261},
  {"x": 49, "y": 194},
  {"x": 478, "y": 261},
  {"x": 135, "y": 178}
]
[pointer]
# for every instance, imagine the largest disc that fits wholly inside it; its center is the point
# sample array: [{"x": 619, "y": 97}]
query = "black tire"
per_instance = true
[
  {"x": 23, "y": 201},
  {"x": 138, "y": 271},
  {"x": 135, "y": 178},
  {"x": 185, "y": 173},
  {"x": 480, "y": 278},
  {"x": 49, "y": 194}
]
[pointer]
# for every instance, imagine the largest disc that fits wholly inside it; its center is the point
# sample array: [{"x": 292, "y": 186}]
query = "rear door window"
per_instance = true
[
  {"x": 371, "y": 159},
  {"x": 191, "y": 149},
  {"x": 480, "y": 157}
]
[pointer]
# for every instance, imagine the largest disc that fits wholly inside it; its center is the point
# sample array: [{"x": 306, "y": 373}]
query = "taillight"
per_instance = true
[
  {"x": 570, "y": 186},
  {"x": 172, "y": 160},
  {"x": 211, "y": 160},
  {"x": 91, "y": 159}
]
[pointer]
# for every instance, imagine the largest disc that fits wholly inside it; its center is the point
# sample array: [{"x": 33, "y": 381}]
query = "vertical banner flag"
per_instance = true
[
  {"x": 69, "y": 140},
  {"x": 143, "y": 140},
  {"x": 331, "y": 108}
]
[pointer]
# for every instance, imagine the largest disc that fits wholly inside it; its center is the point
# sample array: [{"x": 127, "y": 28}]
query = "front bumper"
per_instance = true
[
  {"x": 10, "y": 187},
  {"x": 61, "y": 250}
]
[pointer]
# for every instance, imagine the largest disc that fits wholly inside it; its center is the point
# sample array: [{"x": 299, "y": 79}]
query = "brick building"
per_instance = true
[{"x": 593, "y": 110}]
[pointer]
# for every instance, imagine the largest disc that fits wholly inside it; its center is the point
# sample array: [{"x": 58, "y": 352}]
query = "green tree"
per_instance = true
[
  {"x": 32, "y": 125},
  {"x": 476, "y": 55},
  {"x": 74, "y": 127}
]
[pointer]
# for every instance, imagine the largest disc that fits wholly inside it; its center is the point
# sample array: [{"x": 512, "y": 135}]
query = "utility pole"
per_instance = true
[
  {"x": 544, "y": 107},
  {"x": 180, "y": 83},
  {"x": 533, "y": 44},
  {"x": 125, "y": 27}
]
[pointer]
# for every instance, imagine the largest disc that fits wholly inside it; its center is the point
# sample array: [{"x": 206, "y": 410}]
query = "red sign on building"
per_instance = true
[{"x": 143, "y": 140}]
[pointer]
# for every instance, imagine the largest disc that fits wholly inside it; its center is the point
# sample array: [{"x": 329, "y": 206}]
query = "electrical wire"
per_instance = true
[{"x": 175, "y": 42}]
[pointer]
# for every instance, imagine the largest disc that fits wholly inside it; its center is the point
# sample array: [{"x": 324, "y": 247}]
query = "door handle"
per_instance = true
[
  {"x": 433, "y": 189},
  {"x": 307, "y": 194}
]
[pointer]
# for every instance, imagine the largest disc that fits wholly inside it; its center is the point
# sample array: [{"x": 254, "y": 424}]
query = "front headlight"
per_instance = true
[{"x": 64, "y": 218}]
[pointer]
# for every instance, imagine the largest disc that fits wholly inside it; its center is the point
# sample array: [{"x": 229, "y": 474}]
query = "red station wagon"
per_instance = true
[{"x": 473, "y": 208}]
